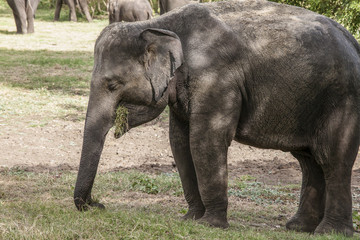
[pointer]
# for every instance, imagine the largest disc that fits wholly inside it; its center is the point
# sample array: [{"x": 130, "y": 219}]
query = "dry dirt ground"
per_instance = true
[{"x": 58, "y": 145}]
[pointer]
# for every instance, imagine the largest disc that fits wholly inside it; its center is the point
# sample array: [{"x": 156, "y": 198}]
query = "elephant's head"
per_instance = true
[{"x": 132, "y": 69}]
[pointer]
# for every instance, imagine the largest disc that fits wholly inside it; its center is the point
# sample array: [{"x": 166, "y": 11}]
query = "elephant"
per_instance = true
[
  {"x": 24, "y": 14},
  {"x": 168, "y": 5},
  {"x": 269, "y": 75},
  {"x": 72, "y": 7},
  {"x": 129, "y": 10}
]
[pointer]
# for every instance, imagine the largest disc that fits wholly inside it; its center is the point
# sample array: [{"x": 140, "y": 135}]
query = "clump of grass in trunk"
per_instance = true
[{"x": 121, "y": 121}]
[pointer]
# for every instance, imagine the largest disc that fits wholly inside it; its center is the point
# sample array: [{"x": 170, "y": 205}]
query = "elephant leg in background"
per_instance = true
[
  {"x": 72, "y": 8},
  {"x": 85, "y": 9},
  {"x": 20, "y": 21},
  {"x": 162, "y": 7},
  {"x": 179, "y": 141},
  {"x": 30, "y": 14},
  {"x": 312, "y": 198},
  {"x": 18, "y": 8},
  {"x": 71, "y": 4},
  {"x": 58, "y": 9}
]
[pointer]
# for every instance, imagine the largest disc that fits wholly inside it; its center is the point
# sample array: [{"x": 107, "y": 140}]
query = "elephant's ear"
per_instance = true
[{"x": 162, "y": 56}]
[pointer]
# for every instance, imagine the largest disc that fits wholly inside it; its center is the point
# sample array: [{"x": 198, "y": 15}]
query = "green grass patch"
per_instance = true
[
  {"x": 248, "y": 188},
  {"x": 40, "y": 106},
  {"x": 66, "y": 72},
  {"x": 165, "y": 183}
]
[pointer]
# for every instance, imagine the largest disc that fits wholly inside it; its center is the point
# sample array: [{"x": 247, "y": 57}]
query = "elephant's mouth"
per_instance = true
[
  {"x": 121, "y": 121},
  {"x": 132, "y": 115}
]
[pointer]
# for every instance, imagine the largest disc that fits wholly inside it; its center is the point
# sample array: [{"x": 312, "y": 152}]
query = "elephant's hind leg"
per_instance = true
[
  {"x": 336, "y": 150},
  {"x": 312, "y": 198}
]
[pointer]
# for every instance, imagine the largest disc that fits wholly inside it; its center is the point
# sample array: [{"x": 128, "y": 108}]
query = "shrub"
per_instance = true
[{"x": 345, "y": 12}]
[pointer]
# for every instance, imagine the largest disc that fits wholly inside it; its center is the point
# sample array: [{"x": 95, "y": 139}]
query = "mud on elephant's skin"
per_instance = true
[
  {"x": 129, "y": 10},
  {"x": 268, "y": 75},
  {"x": 24, "y": 14}
]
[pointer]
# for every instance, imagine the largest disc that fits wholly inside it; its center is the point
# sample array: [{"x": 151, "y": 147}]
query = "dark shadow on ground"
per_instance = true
[{"x": 6, "y": 32}]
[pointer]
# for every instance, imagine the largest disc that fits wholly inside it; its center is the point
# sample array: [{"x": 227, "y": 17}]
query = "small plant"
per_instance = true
[
  {"x": 356, "y": 220},
  {"x": 248, "y": 187},
  {"x": 346, "y": 12},
  {"x": 145, "y": 184}
]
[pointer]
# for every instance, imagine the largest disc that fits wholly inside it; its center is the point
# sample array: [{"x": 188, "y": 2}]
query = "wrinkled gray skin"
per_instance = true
[
  {"x": 24, "y": 14},
  {"x": 269, "y": 75},
  {"x": 168, "y": 5},
  {"x": 72, "y": 7},
  {"x": 129, "y": 10}
]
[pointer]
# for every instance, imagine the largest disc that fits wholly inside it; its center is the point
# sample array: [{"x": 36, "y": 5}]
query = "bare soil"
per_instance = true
[{"x": 57, "y": 146}]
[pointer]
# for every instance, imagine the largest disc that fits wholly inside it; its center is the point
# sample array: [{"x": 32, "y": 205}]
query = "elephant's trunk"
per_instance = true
[{"x": 99, "y": 119}]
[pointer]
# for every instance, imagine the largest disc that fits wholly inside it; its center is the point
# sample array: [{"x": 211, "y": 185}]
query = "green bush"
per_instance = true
[{"x": 345, "y": 12}]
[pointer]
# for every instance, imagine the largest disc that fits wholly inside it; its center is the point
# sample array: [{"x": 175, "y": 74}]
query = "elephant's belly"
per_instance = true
[{"x": 271, "y": 140}]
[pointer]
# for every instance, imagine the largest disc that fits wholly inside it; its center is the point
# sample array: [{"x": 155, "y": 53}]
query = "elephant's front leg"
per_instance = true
[
  {"x": 210, "y": 138},
  {"x": 179, "y": 140}
]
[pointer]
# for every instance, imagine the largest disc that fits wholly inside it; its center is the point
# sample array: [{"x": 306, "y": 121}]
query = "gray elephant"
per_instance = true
[
  {"x": 268, "y": 75},
  {"x": 168, "y": 5},
  {"x": 24, "y": 14},
  {"x": 129, "y": 10},
  {"x": 72, "y": 7}
]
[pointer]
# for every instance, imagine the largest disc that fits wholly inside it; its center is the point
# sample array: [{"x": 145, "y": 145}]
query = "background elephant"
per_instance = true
[
  {"x": 168, "y": 5},
  {"x": 268, "y": 75},
  {"x": 24, "y": 14},
  {"x": 72, "y": 7},
  {"x": 129, "y": 10}
]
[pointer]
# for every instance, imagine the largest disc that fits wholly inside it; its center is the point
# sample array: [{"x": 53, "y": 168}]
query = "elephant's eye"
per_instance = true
[{"x": 111, "y": 86}]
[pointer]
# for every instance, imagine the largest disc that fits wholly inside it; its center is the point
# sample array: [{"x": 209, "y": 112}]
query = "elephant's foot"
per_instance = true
[
  {"x": 303, "y": 223},
  {"x": 97, "y": 205},
  {"x": 194, "y": 214},
  {"x": 215, "y": 220},
  {"x": 81, "y": 205},
  {"x": 340, "y": 227}
]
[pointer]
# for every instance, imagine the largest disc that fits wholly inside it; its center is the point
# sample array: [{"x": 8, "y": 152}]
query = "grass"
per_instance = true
[
  {"x": 66, "y": 72},
  {"x": 39, "y": 106},
  {"x": 39, "y": 206},
  {"x": 45, "y": 76}
]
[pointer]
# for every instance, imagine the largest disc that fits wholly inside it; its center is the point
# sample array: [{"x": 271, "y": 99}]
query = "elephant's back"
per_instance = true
[{"x": 292, "y": 35}]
